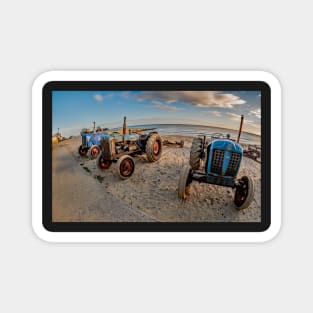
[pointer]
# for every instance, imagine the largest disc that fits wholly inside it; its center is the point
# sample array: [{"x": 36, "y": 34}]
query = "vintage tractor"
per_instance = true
[
  {"x": 121, "y": 148},
  {"x": 91, "y": 142},
  {"x": 222, "y": 158}
]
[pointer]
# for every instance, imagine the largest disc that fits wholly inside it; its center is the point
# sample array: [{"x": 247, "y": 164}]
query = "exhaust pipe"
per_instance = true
[
  {"x": 240, "y": 128},
  {"x": 124, "y": 130}
]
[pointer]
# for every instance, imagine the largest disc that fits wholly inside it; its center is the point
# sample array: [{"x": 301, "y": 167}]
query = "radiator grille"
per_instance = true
[
  {"x": 217, "y": 162},
  {"x": 233, "y": 164},
  {"x": 218, "y": 159}
]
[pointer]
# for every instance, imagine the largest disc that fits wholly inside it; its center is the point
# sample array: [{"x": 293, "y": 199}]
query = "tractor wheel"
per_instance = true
[
  {"x": 154, "y": 148},
  {"x": 125, "y": 166},
  {"x": 244, "y": 193},
  {"x": 94, "y": 151},
  {"x": 195, "y": 153},
  {"x": 82, "y": 150},
  {"x": 182, "y": 143},
  {"x": 102, "y": 163},
  {"x": 184, "y": 183}
]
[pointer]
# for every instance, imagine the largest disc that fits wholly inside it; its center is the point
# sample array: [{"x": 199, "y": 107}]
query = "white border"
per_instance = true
[{"x": 42, "y": 79}]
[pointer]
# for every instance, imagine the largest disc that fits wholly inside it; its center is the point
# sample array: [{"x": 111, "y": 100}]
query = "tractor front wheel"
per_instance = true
[
  {"x": 184, "y": 183},
  {"x": 154, "y": 148},
  {"x": 94, "y": 151},
  {"x": 125, "y": 166},
  {"x": 244, "y": 193},
  {"x": 102, "y": 163},
  {"x": 195, "y": 153},
  {"x": 82, "y": 150}
]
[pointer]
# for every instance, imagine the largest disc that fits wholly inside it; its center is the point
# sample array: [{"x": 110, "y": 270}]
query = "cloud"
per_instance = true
[
  {"x": 234, "y": 116},
  {"x": 256, "y": 113},
  {"x": 98, "y": 97},
  {"x": 215, "y": 113},
  {"x": 126, "y": 94},
  {"x": 166, "y": 107},
  {"x": 195, "y": 98}
]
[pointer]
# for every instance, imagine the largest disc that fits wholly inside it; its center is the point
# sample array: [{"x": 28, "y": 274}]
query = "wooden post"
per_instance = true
[{"x": 240, "y": 128}]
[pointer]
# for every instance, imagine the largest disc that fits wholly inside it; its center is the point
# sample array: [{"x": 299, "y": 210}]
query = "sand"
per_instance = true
[
  {"x": 77, "y": 197},
  {"x": 151, "y": 192}
]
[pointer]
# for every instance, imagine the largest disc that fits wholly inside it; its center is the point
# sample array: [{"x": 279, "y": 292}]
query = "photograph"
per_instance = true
[{"x": 156, "y": 156}]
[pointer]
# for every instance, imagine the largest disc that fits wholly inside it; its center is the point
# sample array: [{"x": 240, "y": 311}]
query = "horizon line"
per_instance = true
[{"x": 175, "y": 124}]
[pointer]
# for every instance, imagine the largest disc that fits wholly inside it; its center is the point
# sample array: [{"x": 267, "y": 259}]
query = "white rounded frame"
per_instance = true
[{"x": 276, "y": 162}]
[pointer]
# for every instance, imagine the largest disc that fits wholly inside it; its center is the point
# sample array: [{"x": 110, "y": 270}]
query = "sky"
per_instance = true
[{"x": 74, "y": 110}]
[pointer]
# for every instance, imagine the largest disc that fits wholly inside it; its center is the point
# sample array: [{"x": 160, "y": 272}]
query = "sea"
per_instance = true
[{"x": 195, "y": 130}]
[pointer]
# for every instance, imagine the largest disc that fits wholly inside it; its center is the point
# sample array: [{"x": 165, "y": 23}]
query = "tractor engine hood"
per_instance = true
[
  {"x": 227, "y": 145},
  {"x": 119, "y": 137}
]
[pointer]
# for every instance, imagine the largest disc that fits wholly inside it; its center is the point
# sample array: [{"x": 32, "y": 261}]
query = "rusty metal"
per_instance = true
[
  {"x": 54, "y": 140},
  {"x": 118, "y": 144},
  {"x": 134, "y": 152},
  {"x": 240, "y": 128},
  {"x": 241, "y": 193},
  {"x": 156, "y": 147},
  {"x": 124, "y": 129},
  {"x": 104, "y": 164},
  {"x": 133, "y": 130},
  {"x": 253, "y": 152},
  {"x": 127, "y": 167},
  {"x": 95, "y": 150},
  {"x": 174, "y": 143}
]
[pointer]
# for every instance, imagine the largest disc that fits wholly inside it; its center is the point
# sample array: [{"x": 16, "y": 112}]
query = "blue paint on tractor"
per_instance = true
[
  {"x": 119, "y": 137},
  {"x": 90, "y": 139},
  {"x": 226, "y": 148}
]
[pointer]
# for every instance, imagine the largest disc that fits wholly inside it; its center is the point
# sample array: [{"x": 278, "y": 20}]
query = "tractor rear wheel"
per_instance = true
[
  {"x": 125, "y": 166},
  {"x": 82, "y": 150},
  {"x": 244, "y": 193},
  {"x": 154, "y": 148},
  {"x": 102, "y": 163},
  {"x": 94, "y": 151},
  {"x": 195, "y": 153},
  {"x": 184, "y": 183}
]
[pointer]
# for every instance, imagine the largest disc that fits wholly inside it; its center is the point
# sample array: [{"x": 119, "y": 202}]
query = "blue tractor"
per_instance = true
[
  {"x": 121, "y": 148},
  {"x": 222, "y": 159},
  {"x": 91, "y": 142}
]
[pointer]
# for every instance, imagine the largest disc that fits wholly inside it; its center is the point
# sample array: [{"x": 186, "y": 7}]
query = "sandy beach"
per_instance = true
[{"x": 82, "y": 192}]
